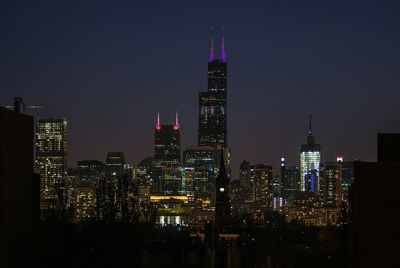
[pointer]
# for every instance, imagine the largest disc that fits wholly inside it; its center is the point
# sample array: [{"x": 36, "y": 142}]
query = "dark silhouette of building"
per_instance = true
[
  {"x": 167, "y": 151},
  {"x": 19, "y": 191},
  {"x": 376, "y": 207},
  {"x": 115, "y": 162},
  {"x": 388, "y": 147},
  {"x": 167, "y": 144},
  {"x": 213, "y": 103},
  {"x": 290, "y": 183},
  {"x": 222, "y": 202}
]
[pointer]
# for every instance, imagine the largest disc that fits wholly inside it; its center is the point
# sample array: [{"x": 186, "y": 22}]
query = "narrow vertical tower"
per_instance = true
[
  {"x": 222, "y": 204},
  {"x": 211, "y": 57},
  {"x": 310, "y": 159},
  {"x": 158, "y": 126},
  {"x": 223, "y": 55},
  {"x": 176, "y": 126}
]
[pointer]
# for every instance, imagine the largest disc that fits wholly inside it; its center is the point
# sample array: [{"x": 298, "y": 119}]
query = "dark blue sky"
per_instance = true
[{"x": 109, "y": 66}]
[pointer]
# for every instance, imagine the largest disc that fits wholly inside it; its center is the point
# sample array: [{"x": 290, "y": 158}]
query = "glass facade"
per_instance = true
[{"x": 309, "y": 161}]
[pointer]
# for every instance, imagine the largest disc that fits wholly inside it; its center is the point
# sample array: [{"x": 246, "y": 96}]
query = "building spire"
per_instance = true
[
  {"x": 223, "y": 55},
  {"x": 176, "y": 118},
  {"x": 222, "y": 168},
  {"x": 211, "y": 57},
  {"x": 158, "y": 126},
  {"x": 310, "y": 124}
]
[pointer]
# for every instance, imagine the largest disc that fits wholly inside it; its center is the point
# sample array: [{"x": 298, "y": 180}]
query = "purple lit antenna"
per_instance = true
[
  {"x": 223, "y": 55},
  {"x": 211, "y": 58},
  {"x": 158, "y": 126}
]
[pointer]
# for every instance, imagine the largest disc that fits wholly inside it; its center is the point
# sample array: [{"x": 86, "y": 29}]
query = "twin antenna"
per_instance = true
[{"x": 223, "y": 55}]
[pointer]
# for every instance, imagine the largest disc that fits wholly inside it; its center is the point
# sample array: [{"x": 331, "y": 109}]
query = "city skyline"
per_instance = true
[
  {"x": 199, "y": 134},
  {"x": 269, "y": 88}
]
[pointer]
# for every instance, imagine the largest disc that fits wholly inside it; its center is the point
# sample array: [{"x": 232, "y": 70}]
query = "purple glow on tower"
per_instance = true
[
  {"x": 158, "y": 126},
  {"x": 211, "y": 58},
  {"x": 223, "y": 55},
  {"x": 176, "y": 126}
]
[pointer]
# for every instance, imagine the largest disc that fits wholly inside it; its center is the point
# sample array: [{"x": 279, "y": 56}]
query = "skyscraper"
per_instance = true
[
  {"x": 261, "y": 182},
  {"x": 331, "y": 175},
  {"x": 213, "y": 103},
  {"x": 167, "y": 144},
  {"x": 290, "y": 185},
  {"x": 167, "y": 151},
  {"x": 51, "y": 157},
  {"x": 204, "y": 160},
  {"x": 310, "y": 159}
]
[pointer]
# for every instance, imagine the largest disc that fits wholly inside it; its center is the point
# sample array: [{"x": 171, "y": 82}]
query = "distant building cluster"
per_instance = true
[{"x": 172, "y": 187}]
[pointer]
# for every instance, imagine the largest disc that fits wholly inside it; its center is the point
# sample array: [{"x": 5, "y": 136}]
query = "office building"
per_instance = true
[
  {"x": 213, "y": 103},
  {"x": 51, "y": 160},
  {"x": 167, "y": 144},
  {"x": 332, "y": 188},
  {"x": 310, "y": 159},
  {"x": 290, "y": 179},
  {"x": 261, "y": 182}
]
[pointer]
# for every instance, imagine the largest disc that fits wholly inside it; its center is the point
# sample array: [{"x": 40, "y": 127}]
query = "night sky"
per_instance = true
[{"x": 109, "y": 67}]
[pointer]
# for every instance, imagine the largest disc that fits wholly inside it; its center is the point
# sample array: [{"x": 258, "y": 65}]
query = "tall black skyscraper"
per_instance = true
[{"x": 212, "y": 104}]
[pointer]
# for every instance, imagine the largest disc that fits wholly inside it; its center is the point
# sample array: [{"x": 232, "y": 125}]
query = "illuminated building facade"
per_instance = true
[
  {"x": 332, "y": 189},
  {"x": 51, "y": 156},
  {"x": 275, "y": 186},
  {"x": 84, "y": 204},
  {"x": 310, "y": 159},
  {"x": 143, "y": 172},
  {"x": 204, "y": 160},
  {"x": 213, "y": 103},
  {"x": 261, "y": 182}
]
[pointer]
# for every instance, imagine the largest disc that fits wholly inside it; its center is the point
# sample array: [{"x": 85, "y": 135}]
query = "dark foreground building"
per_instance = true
[
  {"x": 19, "y": 191},
  {"x": 376, "y": 207}
]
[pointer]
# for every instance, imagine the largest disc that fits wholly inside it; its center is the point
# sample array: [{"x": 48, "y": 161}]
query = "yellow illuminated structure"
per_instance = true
[
  {"x": 158, "y": 198},
  {"x": 51, "y": 156},
  {"x": 84, "y": 204}
]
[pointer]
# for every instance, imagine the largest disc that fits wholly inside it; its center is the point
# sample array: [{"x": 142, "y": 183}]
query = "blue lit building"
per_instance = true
[{"x": 310, "y": 159}]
